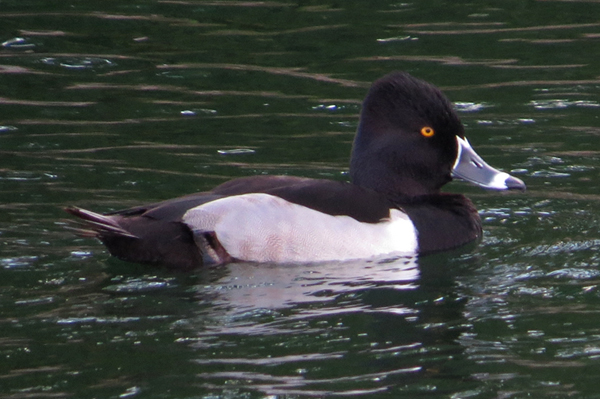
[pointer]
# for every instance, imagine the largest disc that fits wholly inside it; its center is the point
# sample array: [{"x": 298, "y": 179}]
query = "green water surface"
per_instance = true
[{"x": 110, "y": 104}]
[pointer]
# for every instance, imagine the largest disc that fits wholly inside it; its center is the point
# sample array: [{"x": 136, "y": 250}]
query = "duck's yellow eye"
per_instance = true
[{"x": 427, "y": 131}]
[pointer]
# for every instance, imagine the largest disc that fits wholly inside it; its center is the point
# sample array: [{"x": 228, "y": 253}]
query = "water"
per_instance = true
[{"x": 112, "y": 104}]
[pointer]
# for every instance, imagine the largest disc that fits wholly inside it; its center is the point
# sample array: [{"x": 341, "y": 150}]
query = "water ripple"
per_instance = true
[
  {"x": 558, "y": 104},
  {"x": 18, "y": 262},
  {"x": 471, "y": 106},
  {"x": 18, "y": 43},
  {"x": 301, "y": 385},
  {"x": 75, "y": 63},
  {"x": 564, "y": 247},
  {"x": 136, "y": 285},
  {"x": 275, "y": 360}
]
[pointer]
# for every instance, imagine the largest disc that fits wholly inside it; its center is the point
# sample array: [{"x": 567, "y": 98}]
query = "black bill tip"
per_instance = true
[{"x": 512, "y": 183}]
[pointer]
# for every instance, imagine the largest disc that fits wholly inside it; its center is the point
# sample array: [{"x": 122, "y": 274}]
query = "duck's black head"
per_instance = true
[
  {"x": 410, "y": 142},
  {"x": 406, "y": 139}
]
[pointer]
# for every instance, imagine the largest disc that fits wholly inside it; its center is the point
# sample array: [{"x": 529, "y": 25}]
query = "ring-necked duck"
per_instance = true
[{"x": 409, "y": 143}]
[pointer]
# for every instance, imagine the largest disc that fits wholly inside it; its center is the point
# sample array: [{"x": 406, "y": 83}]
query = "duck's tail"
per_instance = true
[
  {"x": 96, "y": 225},
  {"x": 140, "y": 239}
]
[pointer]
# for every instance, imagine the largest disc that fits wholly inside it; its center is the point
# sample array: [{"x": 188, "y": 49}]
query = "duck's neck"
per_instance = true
[
  {"x": 389, "y": 170},
  {"x": 378, "y": 176}
]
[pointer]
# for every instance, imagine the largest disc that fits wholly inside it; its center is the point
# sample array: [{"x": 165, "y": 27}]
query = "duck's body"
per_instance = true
[{"x": 409, "y": 143}]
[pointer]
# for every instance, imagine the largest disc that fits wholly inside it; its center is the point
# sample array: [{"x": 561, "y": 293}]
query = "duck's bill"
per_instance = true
[{"x": 470, "y": 167}]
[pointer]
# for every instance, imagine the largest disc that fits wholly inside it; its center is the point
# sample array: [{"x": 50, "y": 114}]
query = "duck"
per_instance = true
[{"x": 409, "y": 143}]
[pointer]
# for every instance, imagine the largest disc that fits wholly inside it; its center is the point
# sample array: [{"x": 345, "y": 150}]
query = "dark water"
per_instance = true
[{"x": 110, "y": 104}]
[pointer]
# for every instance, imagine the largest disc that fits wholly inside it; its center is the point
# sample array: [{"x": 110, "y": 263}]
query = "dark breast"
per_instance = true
[{"x": 443, "y": 221}]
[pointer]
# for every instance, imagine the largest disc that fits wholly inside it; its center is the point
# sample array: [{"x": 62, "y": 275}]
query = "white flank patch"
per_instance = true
[{"x": 266, "y": 228}]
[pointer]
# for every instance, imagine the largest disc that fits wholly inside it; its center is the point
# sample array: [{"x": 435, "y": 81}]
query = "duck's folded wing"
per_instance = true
[{"x": 161, "y": 233}]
